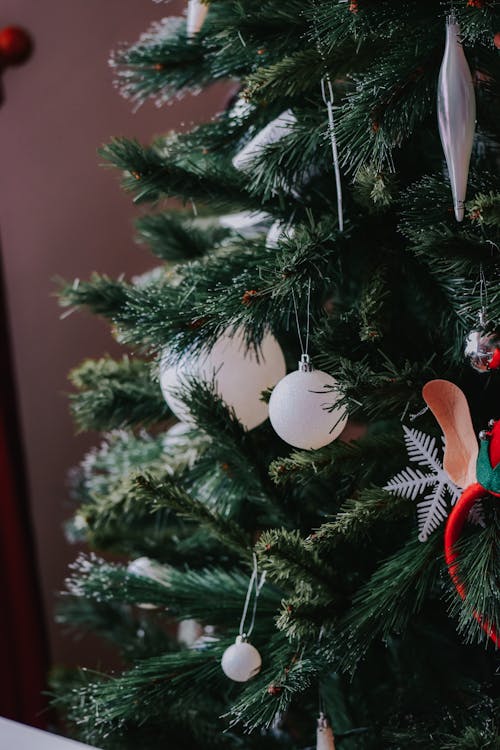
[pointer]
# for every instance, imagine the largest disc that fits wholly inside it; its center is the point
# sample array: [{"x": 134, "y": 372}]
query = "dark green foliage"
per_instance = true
[{"x": 353, "y": 605}]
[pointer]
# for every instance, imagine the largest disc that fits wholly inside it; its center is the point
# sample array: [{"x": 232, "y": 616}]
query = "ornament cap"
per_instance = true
[
  {"x": 242, "y": 638},
  {"x": 323, "y": 722},
  {"x": 305, "y": 364}
]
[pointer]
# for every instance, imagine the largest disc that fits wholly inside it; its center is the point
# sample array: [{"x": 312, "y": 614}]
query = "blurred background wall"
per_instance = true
[{"x": 64, "y": 215}]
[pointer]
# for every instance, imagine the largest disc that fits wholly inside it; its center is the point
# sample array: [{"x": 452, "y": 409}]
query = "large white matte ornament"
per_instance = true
[
  {"x": 273, "y": 131},
  {"x": 196, "y": 14},
  {"x": 239, "y": 373},
  {"x": 324, "y": 734},
  {"x": 241, "y": 661},
  {"x": 300, "y": 408},
  {"x": 456, "y": 105}
]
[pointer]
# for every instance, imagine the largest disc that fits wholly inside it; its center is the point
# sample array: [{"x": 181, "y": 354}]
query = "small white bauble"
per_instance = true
[
  {"x": 300, "y": 408},
  {"x": 241, "y": 661},
  {"x": 240, "y": 375}
]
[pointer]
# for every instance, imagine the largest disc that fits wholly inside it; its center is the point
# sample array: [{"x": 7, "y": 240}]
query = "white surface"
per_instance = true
[
  {"x": 241, "y": 661},
  {"x": 14, "y": 736},
  {"x": 299, "y": 409},
  {"x": 240, "y": 375}
]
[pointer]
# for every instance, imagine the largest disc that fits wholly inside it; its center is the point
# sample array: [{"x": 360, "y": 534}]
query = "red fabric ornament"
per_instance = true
[
  {"x": 459, "y": 515},
  {"x": 15, "y": 45},
  {"x": 454, "y": 526}
]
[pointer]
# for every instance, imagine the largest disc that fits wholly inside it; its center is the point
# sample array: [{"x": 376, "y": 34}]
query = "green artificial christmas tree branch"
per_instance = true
[
  {"x": 394, "y": 594},
  {"x": 172, "y": 237},
  {"x": 115, "y": 623},
  {"x": 291, "y": 565},
  {"x": 184, "y": 594},
  {"x": 356, "y": 518},
  {"x": 360, "y": 457},
  {"x": 149, "y": 176},
  {"x": 114, "y": 394},
  {"x": 159, "y": 494}
]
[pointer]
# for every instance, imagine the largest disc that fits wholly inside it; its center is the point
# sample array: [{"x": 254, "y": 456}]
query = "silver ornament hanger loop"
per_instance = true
[
  {"x": 256, "y": 584},
  {"x": 483, "y": 296}
]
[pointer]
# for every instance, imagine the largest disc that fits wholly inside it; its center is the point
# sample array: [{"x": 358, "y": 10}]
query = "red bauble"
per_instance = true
[
  {"x": 15, "y": 45},
  {"x": 496, "y": 40}
]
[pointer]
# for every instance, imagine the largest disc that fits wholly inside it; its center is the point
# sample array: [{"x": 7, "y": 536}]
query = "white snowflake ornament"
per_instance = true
[{"x": 411, "y": 483}]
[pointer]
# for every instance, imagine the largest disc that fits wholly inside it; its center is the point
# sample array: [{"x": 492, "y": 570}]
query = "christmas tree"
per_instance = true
[{"x": 330, "y": 217}]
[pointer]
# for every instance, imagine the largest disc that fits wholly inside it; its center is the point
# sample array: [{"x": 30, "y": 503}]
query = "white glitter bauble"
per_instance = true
[
  {"x": 240, "y": 375},
  {"x": 241, "y": 661},
  {"x": 300, "y": 408}
]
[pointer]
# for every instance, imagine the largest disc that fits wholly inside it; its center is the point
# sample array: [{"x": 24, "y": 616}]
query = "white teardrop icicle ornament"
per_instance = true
[
  {"x": 456, "y": 105},
  {"x": 324, "y": 734},
  {"x": 241, "y": 661},
  {"x": 304, "y": 410},
  {"x": 196, "y": 14},
  {"x": 240, "y": 375}
]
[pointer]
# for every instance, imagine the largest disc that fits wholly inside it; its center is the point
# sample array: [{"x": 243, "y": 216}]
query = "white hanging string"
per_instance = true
[
  {"x": 483, "y": 296},
  {"x": 303, "y": 349},
  {"x": 327, "y": 94},
  {"x": 256, "y": 584}
]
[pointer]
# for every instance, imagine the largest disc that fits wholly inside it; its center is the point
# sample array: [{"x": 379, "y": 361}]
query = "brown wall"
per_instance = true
[{"x": 63, "y": 215}]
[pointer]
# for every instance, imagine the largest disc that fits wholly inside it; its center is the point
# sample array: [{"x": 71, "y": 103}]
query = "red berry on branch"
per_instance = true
[
  {"x": 248, "y": 296},
  {"x": 15, "y": 45},
  {"x": 274, "y": 690}
]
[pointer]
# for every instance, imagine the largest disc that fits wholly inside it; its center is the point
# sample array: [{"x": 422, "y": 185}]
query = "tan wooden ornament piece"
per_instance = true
[{"x": 449, "y": 405}]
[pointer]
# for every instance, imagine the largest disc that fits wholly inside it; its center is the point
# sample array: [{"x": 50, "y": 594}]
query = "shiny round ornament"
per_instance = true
[
  {"x": 241, "y": 661},
  {"x": 15, "y": 45},
  {"x": 240, "y": 374},
  {"x": 480, "y": 349},
  {"x": 304, "y": 409}
]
